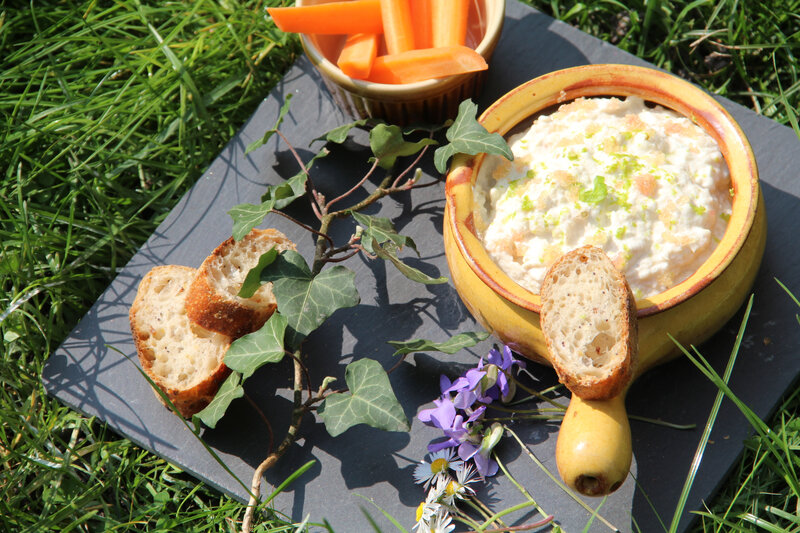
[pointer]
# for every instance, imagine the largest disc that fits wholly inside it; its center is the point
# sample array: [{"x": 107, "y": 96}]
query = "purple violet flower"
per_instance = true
[
  {"x": 481, "y": 453},
  {"x": 440, "y": 416},
  {"x": 498, "y": 371},
  {"x": 462, "y": 404}
]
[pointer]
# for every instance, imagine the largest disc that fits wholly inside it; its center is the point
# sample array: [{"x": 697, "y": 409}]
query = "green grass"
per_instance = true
[{"x": 112, "y": 110}]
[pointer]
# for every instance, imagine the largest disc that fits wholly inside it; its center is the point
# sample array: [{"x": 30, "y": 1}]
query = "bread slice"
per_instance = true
[
  {"x": 212, "y": 301},
  {"x": 589, "y": 323},
  {"x": 182, "y": 358}
]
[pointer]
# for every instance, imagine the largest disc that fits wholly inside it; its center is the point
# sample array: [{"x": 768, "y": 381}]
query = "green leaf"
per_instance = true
[
  {"x": 248, "y": 216},
  {"x": 370, "y": 401},
  {"x": 285, "y": 193},
  {"x": 269, "y": 133},
  {"x": 451, "y": 345},
  {"x": 597, "y": 194},
  {"x": 389, "y": 252},
  {"x": 247, "y": 354},
  {"x": 229, "y": 391},
  {"x": 381, "y": 230},
  {"x": 468, "y": 136},
  {"x": 339, "y": 135},
  {"x": 252, "y": 282},
  {"x": 307, "y": 300},
  {"x": 388, "y": 144}
]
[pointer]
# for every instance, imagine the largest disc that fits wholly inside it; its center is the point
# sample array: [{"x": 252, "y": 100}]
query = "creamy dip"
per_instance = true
[{"x": 643, "y": 183}]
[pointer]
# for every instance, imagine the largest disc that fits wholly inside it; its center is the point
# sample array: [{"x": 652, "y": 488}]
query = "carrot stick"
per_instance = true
[
  {"x": 425, "y": 63},
  {"x": 422, "y": 16},
  {"x": 356, "y": 16},
  {"x": 450, "y": 22},
  {"x": 357, "y": 55},
  {"x": 397, "y": 28}
]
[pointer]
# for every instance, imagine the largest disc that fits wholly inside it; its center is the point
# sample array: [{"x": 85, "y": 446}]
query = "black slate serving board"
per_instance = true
[{"x": 367, "y": 464}]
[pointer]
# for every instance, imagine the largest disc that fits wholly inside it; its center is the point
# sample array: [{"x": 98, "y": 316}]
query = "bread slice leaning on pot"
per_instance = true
[{"x": 588, "y": 319}]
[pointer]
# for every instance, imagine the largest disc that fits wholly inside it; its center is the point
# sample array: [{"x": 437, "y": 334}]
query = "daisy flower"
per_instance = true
[
  {"x": 440, "y": 522},
  {"x": 427, "y": 509},
  {"x": 440, "y": 463},
  {"x": 458, "y": 488}
]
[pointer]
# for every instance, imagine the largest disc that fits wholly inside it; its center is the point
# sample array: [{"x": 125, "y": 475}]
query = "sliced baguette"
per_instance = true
[
  {"x": 589, "y": 323},
  {"x": 182, "y": 358},
  {"x": 213, "y": 300}
]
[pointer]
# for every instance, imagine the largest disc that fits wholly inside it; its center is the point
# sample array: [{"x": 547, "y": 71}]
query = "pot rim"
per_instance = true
[{"x": 656, "y": 86}]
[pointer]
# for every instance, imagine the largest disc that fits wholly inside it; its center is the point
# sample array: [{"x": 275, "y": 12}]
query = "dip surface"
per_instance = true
[{"x": 645, "y": 184}]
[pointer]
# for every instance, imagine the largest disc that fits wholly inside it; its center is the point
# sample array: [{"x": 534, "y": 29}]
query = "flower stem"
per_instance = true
[
  {"x": 520, "y": 488},
  {"x": 557, "y": 481}
]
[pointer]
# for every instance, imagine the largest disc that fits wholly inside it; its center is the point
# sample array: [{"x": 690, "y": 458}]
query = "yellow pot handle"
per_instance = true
[{"x": 593, "y": 451}]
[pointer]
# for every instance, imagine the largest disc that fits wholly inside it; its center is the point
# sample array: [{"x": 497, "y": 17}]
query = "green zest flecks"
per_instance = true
[
  {"x": 597, "y": 194},
  {"x": 527, "y": 204}
]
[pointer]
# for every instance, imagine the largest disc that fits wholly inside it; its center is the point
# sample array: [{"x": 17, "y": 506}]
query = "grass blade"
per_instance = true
[{"x": 712, "y": 417}]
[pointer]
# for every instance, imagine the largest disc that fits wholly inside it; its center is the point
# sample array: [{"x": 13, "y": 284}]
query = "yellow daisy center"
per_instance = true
[
  {"x": 439, "y": 465},
  {"x": 420, "y": 509}
]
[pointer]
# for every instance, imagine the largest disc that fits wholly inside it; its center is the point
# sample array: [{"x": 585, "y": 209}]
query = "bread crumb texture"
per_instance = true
[
  {"x": 177, "y": 353},
  {"x": 589, "y": 322},
  {"x": 228, "y": 266}
]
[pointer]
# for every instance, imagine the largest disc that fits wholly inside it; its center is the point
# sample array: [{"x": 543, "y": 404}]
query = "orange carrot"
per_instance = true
[
  {"x": 422, "y": 15},
  {"x": 450, "y": 22},
  {"x": 358, "y": 53},
  {"x": 425, "y": 63},
  {"x": 397, "y": 28},
  {"x": 344, "y": 17}
]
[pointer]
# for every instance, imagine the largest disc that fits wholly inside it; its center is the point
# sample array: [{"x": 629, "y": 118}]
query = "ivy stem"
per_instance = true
[
  {"x": 312, "y": 197},
  {"x": 304, "y": 226},
  {"x": 353, "y": 189},
  {"x": 412, "y": 165},
  {"x": 299, "y": 410},
  {"x": 319, "y": 253}
]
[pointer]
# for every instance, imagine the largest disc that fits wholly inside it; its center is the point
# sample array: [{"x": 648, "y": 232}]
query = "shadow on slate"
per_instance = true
[{"x": 95, "y": 369}]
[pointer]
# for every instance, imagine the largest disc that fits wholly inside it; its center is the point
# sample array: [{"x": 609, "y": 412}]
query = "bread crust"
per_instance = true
[
  {"x": 229, "y": 315},
  {"x": 190, "y": 400},
  {"x": 617, "y": 373}
]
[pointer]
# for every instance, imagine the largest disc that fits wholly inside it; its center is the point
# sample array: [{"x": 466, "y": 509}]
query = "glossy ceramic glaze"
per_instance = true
[
  {"x": 430, "y": 101},
  {"x": 689, "y": 312}
]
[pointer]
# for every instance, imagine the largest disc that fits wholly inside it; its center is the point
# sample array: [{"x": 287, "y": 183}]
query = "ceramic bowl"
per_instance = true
[
  {"x": 430, "y": 101},
  {"x": 691, "y": 310},
  {"x": 594, "y": 451}
]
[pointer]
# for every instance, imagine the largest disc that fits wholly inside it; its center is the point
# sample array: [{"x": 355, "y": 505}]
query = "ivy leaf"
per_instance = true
[
  {"x": 388, "y": 251},
  {"x": 247, "y": 354},
  {"x": 388, "y": 144},
  {"x": 597, "y": 194},
  {"x": 285, "y": 193},
  {"x": 370, "y": 401},
  {"x": 451, "y": 346},
  {"x": 230, "y": 390},
  {"x": 339, "y": 134},
  {"x": 468, "y": 136},
  {"x": 381, "y": 230},
  {"x": 284, "y": 109},
  {"x": 248, "y": 216},
  {"x": 307, "y": 300},
  {"x": 252, "y": 281}
]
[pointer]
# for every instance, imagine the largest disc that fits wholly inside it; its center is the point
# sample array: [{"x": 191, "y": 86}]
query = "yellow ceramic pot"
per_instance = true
[{"x": 594, "y": 451}]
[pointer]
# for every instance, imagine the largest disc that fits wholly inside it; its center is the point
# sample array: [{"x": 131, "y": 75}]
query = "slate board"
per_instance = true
[{"x": 93, "y": 379}]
